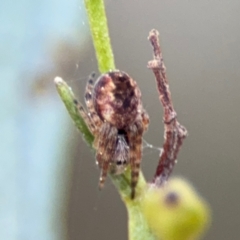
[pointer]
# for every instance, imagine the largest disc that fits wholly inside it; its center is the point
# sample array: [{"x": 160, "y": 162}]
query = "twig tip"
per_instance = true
[{"x": 153, "y": 33}]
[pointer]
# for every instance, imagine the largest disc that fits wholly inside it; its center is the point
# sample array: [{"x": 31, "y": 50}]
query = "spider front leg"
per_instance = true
[
  {"x": 85, "y": 116},
  {"x": 90, "y": 104},
  {"x": 90, "y": 117},
  {"x": 135, "y": 134},
  {"x": 106, "y": 145}
]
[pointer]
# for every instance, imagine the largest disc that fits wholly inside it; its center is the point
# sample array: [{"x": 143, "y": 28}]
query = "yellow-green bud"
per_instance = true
[{"x": 175, "y": 211}]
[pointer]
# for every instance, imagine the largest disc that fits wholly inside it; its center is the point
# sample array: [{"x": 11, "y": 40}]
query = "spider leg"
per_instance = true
[
  {"x": 90, "y": 105},
  {"x": 145, "y": 119},
  {"x": 135, "y": 133},
  {"x": 84, "y": 115},
  {"x": 105, "y": 150}
]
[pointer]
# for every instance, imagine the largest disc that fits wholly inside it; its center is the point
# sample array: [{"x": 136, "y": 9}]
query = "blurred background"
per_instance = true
[{"x": 48, "y": 177}]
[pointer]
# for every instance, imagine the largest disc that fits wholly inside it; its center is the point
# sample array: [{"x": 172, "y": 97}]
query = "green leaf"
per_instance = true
[{"x": 68, "y": 98}]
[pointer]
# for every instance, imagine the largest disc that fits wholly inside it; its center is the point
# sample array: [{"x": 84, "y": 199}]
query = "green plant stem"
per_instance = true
[
  {"x": 99, "y": 30},
  {"x": 137, "y": 225}
]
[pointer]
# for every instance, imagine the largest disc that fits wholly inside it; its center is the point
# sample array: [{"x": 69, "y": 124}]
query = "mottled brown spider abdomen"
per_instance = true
[{"x": 117, "y": 99}]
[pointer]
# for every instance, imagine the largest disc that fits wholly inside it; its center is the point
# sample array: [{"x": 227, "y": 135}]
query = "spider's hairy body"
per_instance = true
[{"x": 117, "y": 120}]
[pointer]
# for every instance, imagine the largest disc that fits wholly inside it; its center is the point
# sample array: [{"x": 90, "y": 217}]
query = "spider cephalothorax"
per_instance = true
[{"x": 117, "y": 120}]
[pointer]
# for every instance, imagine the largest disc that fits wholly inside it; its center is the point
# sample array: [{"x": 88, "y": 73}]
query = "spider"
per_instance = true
[{"x": 116, "y": 118}]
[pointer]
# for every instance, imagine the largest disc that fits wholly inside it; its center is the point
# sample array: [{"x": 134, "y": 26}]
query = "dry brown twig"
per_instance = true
[{"x": 174, "y": 132}]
